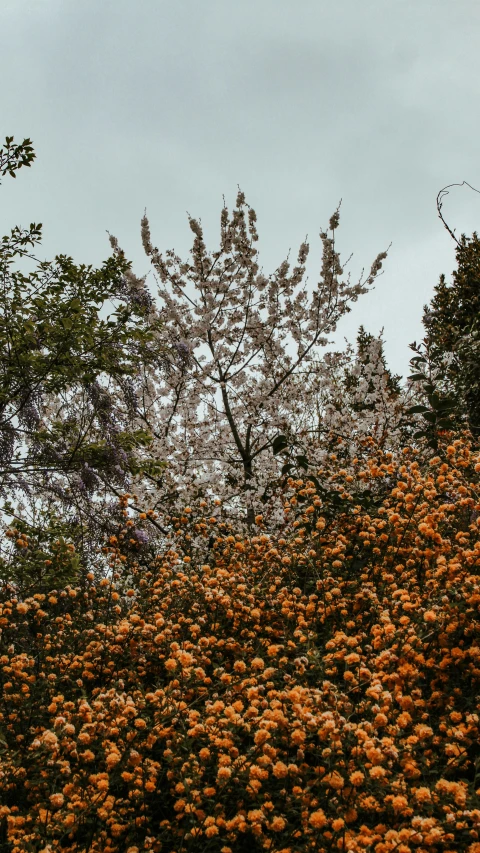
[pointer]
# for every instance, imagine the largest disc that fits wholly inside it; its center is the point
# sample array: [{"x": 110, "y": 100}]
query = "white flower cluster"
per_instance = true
[{"x": 253, "y": 370}]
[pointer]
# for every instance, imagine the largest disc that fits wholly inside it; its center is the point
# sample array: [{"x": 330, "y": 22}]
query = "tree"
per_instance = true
[
  {"x": 452, "y": 321},
  {"x": 69, "y": 379},
  {"x": 248, "y": 397},
  {"x": 451, "y": 347},
  {"x": 255, "y": 372}
]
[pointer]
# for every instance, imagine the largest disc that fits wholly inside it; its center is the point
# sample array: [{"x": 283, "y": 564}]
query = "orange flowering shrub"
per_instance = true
[{"x": 318, "y": 690}]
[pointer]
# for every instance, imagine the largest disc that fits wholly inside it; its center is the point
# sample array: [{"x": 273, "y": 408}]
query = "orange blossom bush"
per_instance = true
[{"x": 314, "y": 691}]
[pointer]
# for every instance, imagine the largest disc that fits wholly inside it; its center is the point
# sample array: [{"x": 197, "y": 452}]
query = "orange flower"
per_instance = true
[
  {"x": 317, "y": 819},
  {"x": 430, "y": 616},
  {"x": 88, "y": 755},
  {"x": 112, "y": 759},
  {"x": 399, "y": 803},
  {"x": 224, "y": 773},
  {"x": 377, "y": 772},
  {"x": 422, "y": 795},
  {"x": 334, "y": 780},
  {"x": 50, "y": 739}
]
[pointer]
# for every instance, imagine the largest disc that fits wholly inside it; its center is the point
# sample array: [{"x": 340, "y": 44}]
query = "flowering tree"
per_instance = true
[
  {"x": 253, "y": 384},
  {"x": 361, "y": 398}
]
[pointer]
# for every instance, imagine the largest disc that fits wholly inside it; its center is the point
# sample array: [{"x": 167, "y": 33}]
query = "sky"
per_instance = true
[{"x": 134, "y": 104}]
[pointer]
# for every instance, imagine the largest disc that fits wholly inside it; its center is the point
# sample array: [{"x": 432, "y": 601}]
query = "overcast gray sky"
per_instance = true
[{"x": 143, "y": 103}]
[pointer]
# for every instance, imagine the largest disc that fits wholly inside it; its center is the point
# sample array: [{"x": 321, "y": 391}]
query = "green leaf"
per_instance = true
[
  {"x": 302, "y": 461},
  {"x": 279, "y": 443},
  {"x": 417, "y": 410}
]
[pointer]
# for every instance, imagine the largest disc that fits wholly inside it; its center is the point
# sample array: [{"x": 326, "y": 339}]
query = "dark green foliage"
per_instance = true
[
  {"x": 452, "y": 321},
  {"x": 13, "y": 157},
  {"x": 46, "y": 560},
  {"x": 69, "y": 380},
  {"x": 437, "y": 405}
]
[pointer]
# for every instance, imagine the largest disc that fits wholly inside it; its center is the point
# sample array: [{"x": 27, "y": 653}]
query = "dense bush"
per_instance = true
[{"x": 318, "y": 690}]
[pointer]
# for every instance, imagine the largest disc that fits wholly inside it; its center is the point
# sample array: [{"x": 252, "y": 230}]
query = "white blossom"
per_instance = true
[{"x": 255, "y": 369}]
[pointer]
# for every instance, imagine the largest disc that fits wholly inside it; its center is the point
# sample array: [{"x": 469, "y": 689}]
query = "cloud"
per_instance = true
[{"x": 169, "y": 105}]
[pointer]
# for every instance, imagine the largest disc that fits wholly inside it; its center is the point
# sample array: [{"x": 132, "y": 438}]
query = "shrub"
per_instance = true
[{"x": 313, "y": 691}]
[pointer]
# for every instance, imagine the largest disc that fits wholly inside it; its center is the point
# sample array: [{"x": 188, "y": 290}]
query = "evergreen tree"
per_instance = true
[{"x": 452, "y": 321}]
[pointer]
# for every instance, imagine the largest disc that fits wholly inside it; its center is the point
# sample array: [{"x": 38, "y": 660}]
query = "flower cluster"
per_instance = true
[
  {"x": 253, "y": 368},
  {"x": 312, "y": 691}
]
